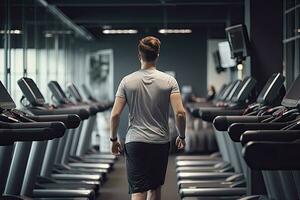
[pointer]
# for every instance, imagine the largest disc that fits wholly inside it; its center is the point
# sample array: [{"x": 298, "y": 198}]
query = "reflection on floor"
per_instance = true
[{"x": 116, "y": 187}]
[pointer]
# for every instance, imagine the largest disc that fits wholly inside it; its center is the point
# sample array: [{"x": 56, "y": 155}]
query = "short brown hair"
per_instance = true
[{"x": 149, "y": 48}]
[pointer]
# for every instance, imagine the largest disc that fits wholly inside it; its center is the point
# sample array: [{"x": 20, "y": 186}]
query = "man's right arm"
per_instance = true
[{"x": 179, "y": 112}]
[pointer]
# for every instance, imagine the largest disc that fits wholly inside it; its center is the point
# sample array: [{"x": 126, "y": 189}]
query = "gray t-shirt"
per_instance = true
[{"x": 147, "y": 93}]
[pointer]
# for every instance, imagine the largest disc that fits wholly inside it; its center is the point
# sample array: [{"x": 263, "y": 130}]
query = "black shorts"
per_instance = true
[{"x": 146, "y": 165}]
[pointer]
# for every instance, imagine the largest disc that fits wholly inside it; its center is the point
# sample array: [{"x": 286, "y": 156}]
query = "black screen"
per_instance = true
[
  {"x": 6, "y": 101},
  {"x": 294, "y": 91},
  {"x": 267, "y": 86},
  {"x": 60, "y": 90},
  {"x": 57, "y": 92},
  {"x": 34, "y": 89},
  {"x": 237, "y": 40},
  {"x": 75, "y": 91}
]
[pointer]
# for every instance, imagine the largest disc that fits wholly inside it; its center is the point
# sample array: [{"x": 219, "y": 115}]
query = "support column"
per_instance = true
[{"x": 264, "y": 20}]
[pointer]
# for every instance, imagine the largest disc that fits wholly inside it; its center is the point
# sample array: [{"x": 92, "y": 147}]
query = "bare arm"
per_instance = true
[
  {"x": 179, "y": 112},
  {"x": 115, "y": 116}
]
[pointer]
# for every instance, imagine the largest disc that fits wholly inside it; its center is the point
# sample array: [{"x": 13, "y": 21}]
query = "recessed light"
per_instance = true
[
  {"x": 174, "y": 31},
  {"x": 120, "y": 31},
  {"x": 16, "y": 32},
  {"x": 48, "y": 35}
]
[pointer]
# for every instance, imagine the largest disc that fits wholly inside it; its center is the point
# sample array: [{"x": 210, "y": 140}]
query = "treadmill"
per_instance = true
[
  {"x": 56, "y": 149},
  {"x": 84, "y": 140},
  {"x": 279, "y": 147},
  {"x": 239, "y": 96},
  {"x": 92, "y": 154},
  {"x": 192, "y": 108},
  {"x": 12, "y": 118},
  {"x": 266, "y": 98},
  {"x": 267, "y": 176}
]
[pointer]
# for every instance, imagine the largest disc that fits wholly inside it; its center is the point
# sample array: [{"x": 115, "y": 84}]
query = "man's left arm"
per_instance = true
[{"x": 116, "y": 112}]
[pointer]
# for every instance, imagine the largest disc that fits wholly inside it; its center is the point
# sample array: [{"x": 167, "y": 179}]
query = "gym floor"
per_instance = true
[{"x": 116, "y": 187}]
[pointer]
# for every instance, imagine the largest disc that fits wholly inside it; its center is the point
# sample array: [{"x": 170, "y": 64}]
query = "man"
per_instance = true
[{"x": 148, "y": 93}]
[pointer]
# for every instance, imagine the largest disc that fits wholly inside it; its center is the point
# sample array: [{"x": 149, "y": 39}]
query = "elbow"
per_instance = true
[
  {"x": 180, "y": 114},
  {"x": 115, "y": 116}
]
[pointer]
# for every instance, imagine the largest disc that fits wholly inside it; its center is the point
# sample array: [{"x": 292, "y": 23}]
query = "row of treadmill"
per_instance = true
[
  {"x": 259, "y": 143},
  {"x": 45, "y": 150}
]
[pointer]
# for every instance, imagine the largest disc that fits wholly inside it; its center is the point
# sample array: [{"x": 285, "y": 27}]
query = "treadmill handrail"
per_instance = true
[
  {"x": 30, "y": 134},
  {"x": 235, "y": 130},
  {"x": 222, "y": 123},
  {"x": 83, "y": 113},
  {"x": 270, "y": 135},
  {"x": 70, "y": 121},
  {"x": 272, "y": 155}
]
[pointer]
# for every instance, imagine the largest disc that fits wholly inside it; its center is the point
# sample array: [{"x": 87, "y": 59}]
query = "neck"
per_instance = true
[{"x": 147, "y": 65}]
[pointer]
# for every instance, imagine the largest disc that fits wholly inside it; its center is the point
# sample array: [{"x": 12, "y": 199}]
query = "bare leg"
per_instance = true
[
  {"x": 154, "y": 194},
  {"x": 139, "y": 196}
]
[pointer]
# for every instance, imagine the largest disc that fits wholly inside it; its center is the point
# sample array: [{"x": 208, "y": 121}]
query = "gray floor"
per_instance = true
[{"x": 116, "y": 187}]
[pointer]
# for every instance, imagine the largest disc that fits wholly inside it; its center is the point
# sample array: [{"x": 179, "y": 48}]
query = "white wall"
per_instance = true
[{"x": 213, "y": 78}]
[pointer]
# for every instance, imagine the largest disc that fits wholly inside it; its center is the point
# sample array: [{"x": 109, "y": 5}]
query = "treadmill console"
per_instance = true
[
  {"x": 74, "y": 92},
  {"x": 31, "y": 91},
  {"x": 229, "y": 90},
  {"x": 291, "y": 98},
  {"x": 57, "y": 92},
  {"x": 271, "y": 89},
  {"x": 6, "y": 102},
  {"x": 221, "y": 91},
  {"x": 244, "y": 90}
]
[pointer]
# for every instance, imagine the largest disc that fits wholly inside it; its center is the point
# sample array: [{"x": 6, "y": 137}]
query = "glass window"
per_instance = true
[{"x": 2, "y": 38}]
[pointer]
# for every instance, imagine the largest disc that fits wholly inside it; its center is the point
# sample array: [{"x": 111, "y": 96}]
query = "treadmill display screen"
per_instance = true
[
  {"x": 225, "y": 55},
  {"x": 59, "y": 89},
  {"x": 6, "y": 101},
  {"x": 271, "y": 89},
  {"x": 31, "y": 91},
  {"x": 266, "y": 87},
  {"x": 294, "y": 91},
  {"x": 57, "y": 92},
  {"x": 34, "y": 89},
  {"x": 292, "y": 96},
  {"x": 73, "y": 90}
]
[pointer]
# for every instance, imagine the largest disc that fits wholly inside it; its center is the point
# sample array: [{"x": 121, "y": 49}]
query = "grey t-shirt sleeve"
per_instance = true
[
  {"x": 174, "y": 85},
  {"x": 121, "y": 89}
]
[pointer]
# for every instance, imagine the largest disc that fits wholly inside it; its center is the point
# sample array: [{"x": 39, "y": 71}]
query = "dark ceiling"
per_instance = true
[{"x": 150, "y": 15}]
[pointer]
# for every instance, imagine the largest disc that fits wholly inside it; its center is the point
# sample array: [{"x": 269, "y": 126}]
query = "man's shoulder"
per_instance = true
[
  {"x": 165, "y": 75},
  {"x": 131, "y": 75}
]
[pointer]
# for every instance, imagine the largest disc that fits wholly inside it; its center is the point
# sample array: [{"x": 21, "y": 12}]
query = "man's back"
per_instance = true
[{"x": 147, "y": 94}]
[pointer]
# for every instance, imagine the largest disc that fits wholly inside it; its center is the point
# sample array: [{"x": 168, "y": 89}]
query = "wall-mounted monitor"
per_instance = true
[
  {"x": 225, "y": 55},
  {"x": 217, "y": 61},
  {"x": 239, "y": 41}
]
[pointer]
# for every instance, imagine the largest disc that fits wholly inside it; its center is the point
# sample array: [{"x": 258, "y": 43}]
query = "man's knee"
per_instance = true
[
  {"x": 139, "y": 196},
  {"x": 155, "y": 190}
]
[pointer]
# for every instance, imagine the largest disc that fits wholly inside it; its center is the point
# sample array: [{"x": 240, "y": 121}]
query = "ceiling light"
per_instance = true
[
  {"x": 48, "y": 35},
  {"x": 17, "y": 32},
  {"x": 120, "y": 31},
  {"x": 176, "y": 31}
]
